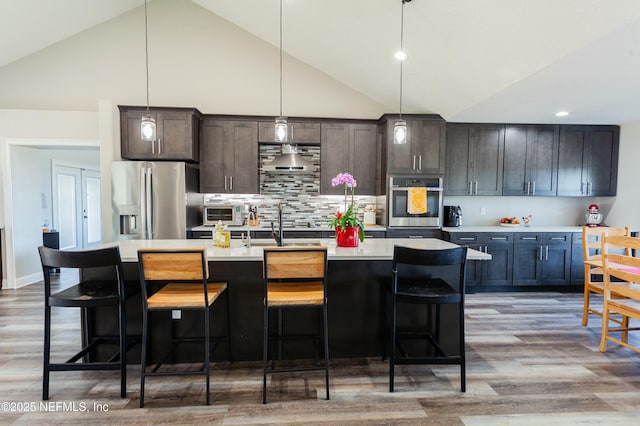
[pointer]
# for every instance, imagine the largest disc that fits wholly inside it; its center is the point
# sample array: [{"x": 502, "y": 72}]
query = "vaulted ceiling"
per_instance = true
[{"x": 490, "y": 60}]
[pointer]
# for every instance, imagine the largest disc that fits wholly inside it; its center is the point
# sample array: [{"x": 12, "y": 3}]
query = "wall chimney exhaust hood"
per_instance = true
[{"x": 289, "y": 162}]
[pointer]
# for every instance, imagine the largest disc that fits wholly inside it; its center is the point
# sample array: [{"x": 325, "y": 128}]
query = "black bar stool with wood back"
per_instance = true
[
  {"x": 432, "y": 278},
  {"x": 294, "y": 277},
  {"x": 183, "y": 275},
  {"x": 86, "y": 295}
]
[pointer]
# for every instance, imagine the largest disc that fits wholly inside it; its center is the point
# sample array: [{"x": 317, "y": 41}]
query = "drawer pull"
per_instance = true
[
  {"x": 467, "y": 239},
  {"x": 415, "y": 236},
  {"x": 558, "y": 238},
  {"x": 498, "y": 238},
  {"x": 529, "y": 238}
]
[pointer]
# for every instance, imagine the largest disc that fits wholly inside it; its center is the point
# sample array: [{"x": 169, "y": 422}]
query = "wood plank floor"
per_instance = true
[{"x": 529, "y": 363}]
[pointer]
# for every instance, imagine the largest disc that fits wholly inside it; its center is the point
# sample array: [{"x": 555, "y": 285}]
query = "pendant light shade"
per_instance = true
[
  {"x": 282, "y": 129},
  {"x": 400, "y": 126},
  {"x": 148, "y": 123}
]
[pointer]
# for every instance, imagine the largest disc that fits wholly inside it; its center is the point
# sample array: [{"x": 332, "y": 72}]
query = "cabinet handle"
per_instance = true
[
  {"x": 546, "y": 253},
  {"x": 415, "y": 236},
  {"x": 559, "y": 238},
  {"x": 486, "y": 249},
  {"x": 498, "y": 238},
  {"x": 470, "y": 188},
  {"x": 159, "y": 146},
  {"x": 528, "y": 187},
  {"x": 291, "y": 139},
  {"x": 588, "y": 188},
  {"x": 414, "y": 162},
  {"x": 225, "y": 183},
  {"x": 467, "y": 239},
  {"x": 533, "y": 188},
  {"x": 582, "y": 188},
  {"x": 529, "y": 238},
  {"x": 540, "y": 255},
  {"x": 231, "y": 183},
  {"x": 153, "y": 147},
  {"x": 205, "y": 237},
  {"x": 420, "y": 161},
  {"x": 476, "y": 191}
]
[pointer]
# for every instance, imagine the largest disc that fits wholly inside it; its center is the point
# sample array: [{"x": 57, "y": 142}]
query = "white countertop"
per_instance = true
[
  {"x": 245, "y": 228},
  {"x": 521, "y": 228},
  {"x": 370, "y": 249}
]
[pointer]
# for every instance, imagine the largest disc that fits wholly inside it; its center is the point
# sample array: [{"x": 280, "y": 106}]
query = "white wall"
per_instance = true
[{"x": 626, "y": 206}]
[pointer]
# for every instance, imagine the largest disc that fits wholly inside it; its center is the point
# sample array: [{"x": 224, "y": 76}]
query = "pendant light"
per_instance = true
[
  {"x": 282, "y": 129},
  {"x": 148, "y": 123},
  {"x": 400, "y": 126}
]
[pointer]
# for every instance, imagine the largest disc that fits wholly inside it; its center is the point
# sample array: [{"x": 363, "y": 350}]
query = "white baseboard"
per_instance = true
[{"x": 28, "y": 279}]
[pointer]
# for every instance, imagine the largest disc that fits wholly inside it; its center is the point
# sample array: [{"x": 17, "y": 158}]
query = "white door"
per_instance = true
[{"x": 76, "y": 206}]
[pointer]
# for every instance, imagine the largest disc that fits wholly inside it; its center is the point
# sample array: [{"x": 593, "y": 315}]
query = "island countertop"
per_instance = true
[{"x": 370, "y": 249}]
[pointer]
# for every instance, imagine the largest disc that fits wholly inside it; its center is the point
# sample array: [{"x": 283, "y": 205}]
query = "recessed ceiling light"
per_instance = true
[
  {"x": 400, "y": 55},
  {"x": 562, "y": 113}
]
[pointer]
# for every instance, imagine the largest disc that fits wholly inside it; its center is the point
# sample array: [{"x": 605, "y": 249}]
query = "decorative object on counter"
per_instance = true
[
  {"x": 369, "y": 215},
  {"x": 349, "y": 228},
  {"x": 527, "y": 220},
  {"x": 253, "y": 216},
  {"x": 221, "y": 236},
  {"x": 512, "y": 222},
  {"x": 593, "y": 217},
  {"x": 148, "y": 123}
]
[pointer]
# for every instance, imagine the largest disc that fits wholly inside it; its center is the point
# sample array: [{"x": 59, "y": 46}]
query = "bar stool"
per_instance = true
[
  {"x": 432, "y": 278},
  {"x": 294, "y": 277},
  {"x": 86, "y": 294},
  {"x": 183, "y": 274}
]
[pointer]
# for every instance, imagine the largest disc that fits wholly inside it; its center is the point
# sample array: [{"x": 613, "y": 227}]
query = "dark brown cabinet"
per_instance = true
[
  {"x": 542, "y": 259},
  {"x": 177, "y": 131},
  {"x": 229, "y": 156},
  {"x": 300, "y": 132},
  {"x": 424, "y": 151},
  {"x": 348, "y": 147},
  {"x": 588, "y": 160},
  {"x": 496, "y": 272},
  {"x": 474, "y": 161},
  {"x": 530, "y": 160}
]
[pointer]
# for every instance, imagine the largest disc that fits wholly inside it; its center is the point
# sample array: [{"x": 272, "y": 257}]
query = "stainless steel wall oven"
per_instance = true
[{"x": 424, "y": 213}]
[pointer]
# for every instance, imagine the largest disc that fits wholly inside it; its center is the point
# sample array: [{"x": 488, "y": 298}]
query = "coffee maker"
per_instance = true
[{"x": 452, "y": 216}]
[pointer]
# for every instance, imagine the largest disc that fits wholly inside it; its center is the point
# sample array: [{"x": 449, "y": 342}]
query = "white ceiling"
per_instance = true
[{"x": 468, "y": 60}]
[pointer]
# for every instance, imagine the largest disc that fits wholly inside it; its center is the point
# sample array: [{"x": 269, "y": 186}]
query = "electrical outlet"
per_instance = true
[
  {"x": 483, "y": 211},
  {"x": 176, "y": 314}
]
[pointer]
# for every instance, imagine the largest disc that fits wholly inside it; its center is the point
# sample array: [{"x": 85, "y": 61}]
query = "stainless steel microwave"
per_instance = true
[
  {"x": 401, "y": 213},
  {"x": 227, "y": 214}
]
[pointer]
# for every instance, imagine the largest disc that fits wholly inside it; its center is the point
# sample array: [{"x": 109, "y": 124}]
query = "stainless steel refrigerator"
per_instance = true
[{"x": 154, "y": 200}]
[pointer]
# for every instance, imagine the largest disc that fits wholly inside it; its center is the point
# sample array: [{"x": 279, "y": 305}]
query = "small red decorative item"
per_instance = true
[{"x": 347, "y": 237}]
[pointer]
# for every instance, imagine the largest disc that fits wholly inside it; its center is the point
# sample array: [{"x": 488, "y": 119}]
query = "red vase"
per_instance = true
[{"x": 347, "y": 237}]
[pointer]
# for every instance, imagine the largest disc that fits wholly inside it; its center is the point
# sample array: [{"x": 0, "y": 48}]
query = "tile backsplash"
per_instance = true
[{"x": 298, "y": 192}]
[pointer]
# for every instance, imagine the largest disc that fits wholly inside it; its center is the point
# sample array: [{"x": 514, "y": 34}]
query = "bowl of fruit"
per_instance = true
[{"x": 511, "y": 222}]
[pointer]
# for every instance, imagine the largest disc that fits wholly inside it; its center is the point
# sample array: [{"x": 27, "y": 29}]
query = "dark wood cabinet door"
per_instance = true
[
  {"x": 241, "y": 157},
  {"x": 527, "y": 268},
  {"x": 364, "y": 156},
  {"x": 601, "y": 161},
  {"x": 530, "y": 160},
  {"x": 428, "y": 140},
  {"x": 457, "y": 180},
  {"x": 351, "y": 148},
  {"x": 487, "y": 159},
  {"x": 515, "y": 180},
  {"x": 229, "y": 156},
  {"x": 212, "y": 173},
  {"x": 399, "y": 157},
  {"x": 177, "y": 131},
  {"x": 499, "y": 271},
  {"x": 570, "y": 153},
  {"x": 334, "y": 156},
  {"x": 577, "y": 260},
  {"x": 556, "y": 267},
  {"x": 299, "y": 132},
  {"x": 542, "y": 159}
]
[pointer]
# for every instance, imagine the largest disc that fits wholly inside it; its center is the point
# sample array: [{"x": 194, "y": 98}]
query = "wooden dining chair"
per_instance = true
[
  {"x": 593, "y": 281},
  {"x": 621, "y": 296},
  {"x": 294, "y": 278},
  {"x": 183, "y": 274}
]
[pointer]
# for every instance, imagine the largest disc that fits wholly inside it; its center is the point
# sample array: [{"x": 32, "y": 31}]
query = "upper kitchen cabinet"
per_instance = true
[
  {"x": 300, "y": 132},
  {"x": 424, "y": 151},
  {"x": 177, "y": 132},
  {"x": 530, "y": 160},
  {"x": 474, "y": 159},
  {"x": 229, "y": 156},
  {"x": 588, "y": 160},
  {"x": 348, "y": 147}
]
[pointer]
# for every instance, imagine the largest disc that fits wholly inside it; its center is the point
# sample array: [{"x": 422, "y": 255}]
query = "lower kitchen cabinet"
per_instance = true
[
  {"x": 542, "y": 259},
  {"x": 577, "y": 260},
  {"x": 414, "y": 233},
  {"x": 496, "y": 272}
]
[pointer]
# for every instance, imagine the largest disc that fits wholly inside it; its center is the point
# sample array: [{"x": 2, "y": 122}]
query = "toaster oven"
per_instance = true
[{"x": 227, "y": 214}]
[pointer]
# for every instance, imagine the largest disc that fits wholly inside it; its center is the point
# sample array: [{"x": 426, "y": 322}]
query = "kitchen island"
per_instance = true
[{"x": 354, "y": 277}]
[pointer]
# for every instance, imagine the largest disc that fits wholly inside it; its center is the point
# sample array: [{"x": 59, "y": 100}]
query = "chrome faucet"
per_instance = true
[{"x": 279, "y": 237}]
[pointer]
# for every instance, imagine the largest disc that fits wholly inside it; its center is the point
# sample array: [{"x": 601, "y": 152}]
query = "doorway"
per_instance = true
[{"x": 76, "y": 206}]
